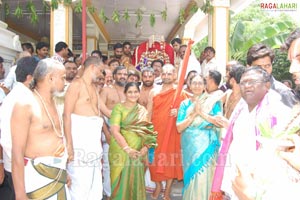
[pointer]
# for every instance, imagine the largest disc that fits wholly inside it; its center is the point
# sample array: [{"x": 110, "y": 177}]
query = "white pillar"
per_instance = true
[
  {"x": 61, "y": 26},
  {"x": 220, "y": 32},
  {"x": 10, "y": 45}
]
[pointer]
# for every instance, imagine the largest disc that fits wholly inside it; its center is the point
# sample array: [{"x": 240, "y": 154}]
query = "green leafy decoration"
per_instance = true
[
  {"x": 115, "y": 16},
  {"x": 194, "y": 8},
  {"x": 67, "y": 2},
  {"x": 19, "y": 11},
  {"x": 126, "y": 16},
  {"x": 6, "y": 8},
  {"x": 181, "y": 16},
  {"x": 207, "y": 8},
  {"x": 32, "y": 10},
  {"x": 54, "y": 4},
  {"x": 152, "y": 20},
  {"x": 92, "y": 9},
  {"x": 139, "y": 15},
  {"x": 164, "y": 14},
  {"x": 78, "y": 7},
  {"x": 102, "y": 16},
  {"x": 45, "y": 7}
]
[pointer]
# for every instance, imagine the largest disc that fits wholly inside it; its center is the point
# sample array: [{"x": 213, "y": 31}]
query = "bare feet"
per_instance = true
[
  {"x": 167, "y": 198},
  {"x": 156, "y": 192}
]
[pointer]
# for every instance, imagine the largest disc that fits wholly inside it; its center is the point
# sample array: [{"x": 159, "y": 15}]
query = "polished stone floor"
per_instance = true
[{"x": 176, "y": 193}]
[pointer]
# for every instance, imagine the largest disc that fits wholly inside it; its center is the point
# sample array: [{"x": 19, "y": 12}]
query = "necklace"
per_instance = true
[
  {"x": 94, "y": 110},
  {"x": 291, "y": 122},
  {"x": 120, "y": 100},
  {"x": 49, "y": 116}
]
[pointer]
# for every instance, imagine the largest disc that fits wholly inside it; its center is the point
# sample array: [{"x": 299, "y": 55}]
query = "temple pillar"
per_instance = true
[
  {"x": 61, "y": 23},
  {"x": 218, "y": 32},
  {"x": 10, "y": 45}
]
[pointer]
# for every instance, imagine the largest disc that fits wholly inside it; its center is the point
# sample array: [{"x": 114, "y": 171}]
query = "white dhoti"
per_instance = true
[
  {"x": 85, "y": 170},
  {"x": 45, "y": 178},
  {"x": 106, "y": 168}
]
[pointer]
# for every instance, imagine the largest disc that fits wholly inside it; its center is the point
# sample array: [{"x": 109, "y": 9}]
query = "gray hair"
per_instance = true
[
  {"x": 44, "y": 67},
  {"x": 147, "y": 69}
]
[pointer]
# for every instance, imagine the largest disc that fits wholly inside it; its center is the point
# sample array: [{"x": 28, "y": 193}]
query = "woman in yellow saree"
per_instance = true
[{"x": 132, "y": 135}]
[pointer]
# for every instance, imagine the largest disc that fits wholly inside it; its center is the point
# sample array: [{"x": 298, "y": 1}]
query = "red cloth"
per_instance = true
[
  {"x": 154, "y": 52},
  {"x": 171, "y": 160}
]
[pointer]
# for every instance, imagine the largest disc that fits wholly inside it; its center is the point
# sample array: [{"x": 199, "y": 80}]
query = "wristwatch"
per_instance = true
[{"x": 1, "y": 161}]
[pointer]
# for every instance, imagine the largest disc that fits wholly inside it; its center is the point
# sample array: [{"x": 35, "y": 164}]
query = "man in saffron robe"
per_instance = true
[{"x": 166, "y": 165}]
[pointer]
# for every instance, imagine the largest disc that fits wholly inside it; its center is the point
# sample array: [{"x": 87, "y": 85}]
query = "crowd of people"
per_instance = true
[{"x": 96, "y": 128}]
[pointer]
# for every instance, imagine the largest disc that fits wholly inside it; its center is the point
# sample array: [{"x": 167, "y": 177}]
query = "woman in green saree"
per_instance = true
[{"x": 132, "y": 135}]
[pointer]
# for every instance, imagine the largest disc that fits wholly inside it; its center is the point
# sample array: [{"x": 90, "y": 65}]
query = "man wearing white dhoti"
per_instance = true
[
  {"x": 38, "y": 148},
  {"x": 83, "y": 125}
]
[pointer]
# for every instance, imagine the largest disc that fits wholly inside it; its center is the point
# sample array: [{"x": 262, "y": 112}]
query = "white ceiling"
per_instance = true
[{"x": 127, "y": 30}]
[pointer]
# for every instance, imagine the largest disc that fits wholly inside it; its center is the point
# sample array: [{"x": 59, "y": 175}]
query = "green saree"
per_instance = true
[{"x": 127, "y": 175}]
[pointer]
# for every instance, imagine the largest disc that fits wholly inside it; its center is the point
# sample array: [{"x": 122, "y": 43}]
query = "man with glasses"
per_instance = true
[
  {"x": 263, "y": 56},
  {"x": 259, "y": 106}
]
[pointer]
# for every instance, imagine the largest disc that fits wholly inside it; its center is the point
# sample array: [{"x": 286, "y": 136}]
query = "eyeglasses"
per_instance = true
[{"x": 251, "y": 82}]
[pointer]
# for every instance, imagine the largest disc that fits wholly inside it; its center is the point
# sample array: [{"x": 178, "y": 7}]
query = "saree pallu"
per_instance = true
[
  {"x": 200, "y": 144},
  {"x": 127, "y": 175}
]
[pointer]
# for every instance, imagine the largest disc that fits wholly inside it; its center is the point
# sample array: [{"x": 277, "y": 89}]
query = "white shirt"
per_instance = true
[
  {"x": 193, "y": 64},
  {"x": 19, "y": 93},
  {"x": 210, "y": 65},
  {"x": 242, "y": 151},
  {"x": 10, "y": 81}
]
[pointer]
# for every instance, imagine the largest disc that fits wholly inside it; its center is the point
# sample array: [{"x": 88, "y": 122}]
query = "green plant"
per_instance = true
[
  {"x": 92, "y": 9},
  {"x": 102, "y": 16},
  {"x": 18, "y": 12},
  {"x": 152, "y": 20},
  {"x": 164, "y": 14},
  {"x": 194, "y": 8},
  {"x": 115, "y": 16},
  {"x": 126, "y": 16},
  {"x": 45, "y": 6},
  {"x": 78, "y": 7},
  {"x": 32, "y": 10},
  {"x": 181, "y": 16},
  {"x": 6, "y": 9},
  {"x": 54, "y": 4},
  {"x": 139, "y": 17},
  {"x": 207, "y": 8}
]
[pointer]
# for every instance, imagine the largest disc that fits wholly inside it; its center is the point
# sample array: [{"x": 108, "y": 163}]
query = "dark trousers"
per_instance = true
[{"x": 7, "y": 191}]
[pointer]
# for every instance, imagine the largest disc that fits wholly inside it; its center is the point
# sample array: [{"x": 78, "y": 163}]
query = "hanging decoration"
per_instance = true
[
  {"x": 102, "y": 16},
  {"x": 152, "y": 20},
  {"x": 19, "y": 11},
  {"x": 54, "y": 4},
  {"x": 32, "y": 10},
  {"x": 115, "y": 16},
  {"x": 78, "y": 7},
  {"x": 181, "y": 16},
  {"x": 126, "y": 16},
  {"x": 194, "y": 8},
  {"x": 139, "y": 18},
  {"x": 91, "y": 9},
  {"x": 164, "y": 14},
  {"x": 6, "y": 8},
  {"x": 45, "y": 7},
  {"x": 67, "y": 2},
  {"x": 207, "y": 7}
]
